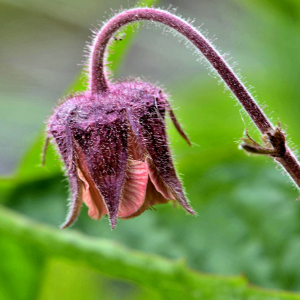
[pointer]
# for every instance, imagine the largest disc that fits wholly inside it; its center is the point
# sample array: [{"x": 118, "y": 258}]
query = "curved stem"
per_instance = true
[{"x": 100, "y": 84}]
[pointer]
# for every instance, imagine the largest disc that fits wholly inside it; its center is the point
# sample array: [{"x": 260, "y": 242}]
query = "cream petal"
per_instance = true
[
  {"x": 134, "y": 189},
  {"x": 158, "y": 182},
  {"x": 87, "y": 197}
]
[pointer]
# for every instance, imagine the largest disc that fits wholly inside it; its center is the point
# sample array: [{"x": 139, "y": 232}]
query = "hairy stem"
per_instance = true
[{"x": 99, "y": 83}]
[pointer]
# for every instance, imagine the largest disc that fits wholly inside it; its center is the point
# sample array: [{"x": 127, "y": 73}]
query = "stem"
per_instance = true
[{"x": 100, "y": 84}]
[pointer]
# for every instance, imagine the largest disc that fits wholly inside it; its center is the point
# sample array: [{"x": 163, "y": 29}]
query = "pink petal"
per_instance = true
[
  {"x": 151, "y": 129},
  {"x": 86, "y": 195},
  {"x": 152, "y": 198},
  {"x": 134, "y": 189}
]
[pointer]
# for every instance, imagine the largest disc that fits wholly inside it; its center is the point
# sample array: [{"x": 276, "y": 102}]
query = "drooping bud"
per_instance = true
[{"x": 115, "y": 150}]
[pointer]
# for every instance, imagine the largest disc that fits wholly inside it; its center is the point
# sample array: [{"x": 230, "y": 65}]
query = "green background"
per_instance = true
[{"x": 248, "y": 222}]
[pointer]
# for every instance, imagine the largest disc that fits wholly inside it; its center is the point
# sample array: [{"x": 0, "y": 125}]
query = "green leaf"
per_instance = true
[
  {"x": 173, "y": 280},
  {"x": 289, "y": 9},
  {"x": 20, "y": 270}
]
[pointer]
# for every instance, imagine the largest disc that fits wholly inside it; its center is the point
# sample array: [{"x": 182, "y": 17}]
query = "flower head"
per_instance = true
[
  {"x": 113, "y": 140},
  {"x": 115, "y": 150}
]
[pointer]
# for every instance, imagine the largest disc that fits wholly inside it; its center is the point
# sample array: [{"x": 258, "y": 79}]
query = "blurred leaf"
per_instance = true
[
  {"x": 20, "y": 270},
  {"x": 173, "y": 280},
  {"x": 63, "y": 279},
  {"x": 6, "y": 186},
  {"x": 289, "y": 9}
]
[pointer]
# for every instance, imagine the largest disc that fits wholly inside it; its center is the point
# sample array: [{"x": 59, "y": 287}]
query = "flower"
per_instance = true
[{"x": 115, "y": 150}]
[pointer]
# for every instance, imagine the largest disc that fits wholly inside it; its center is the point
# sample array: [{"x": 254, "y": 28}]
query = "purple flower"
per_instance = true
[
  {"x": 115, "y": 150},
  {"x": 113, "y": 140}
]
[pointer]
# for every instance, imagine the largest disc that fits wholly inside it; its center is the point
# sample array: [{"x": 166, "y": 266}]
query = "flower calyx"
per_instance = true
[{"x": 115, "y": 150}]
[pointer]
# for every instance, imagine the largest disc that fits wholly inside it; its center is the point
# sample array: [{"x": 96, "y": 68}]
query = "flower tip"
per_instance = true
[
  {"x": 66, "y": 224},
  {"x": 193, "y": 212},
  {"x": 113, "y": 222}
]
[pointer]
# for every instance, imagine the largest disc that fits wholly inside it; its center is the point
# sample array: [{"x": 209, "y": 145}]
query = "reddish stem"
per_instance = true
[{"x": 100, "y": 84}]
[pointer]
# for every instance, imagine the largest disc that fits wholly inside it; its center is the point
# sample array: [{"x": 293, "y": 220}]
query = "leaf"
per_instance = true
[
  {"x": 20, "y": 270},
  {"x": 289, "y": 9},
  {"x": 173, "y": 280}
]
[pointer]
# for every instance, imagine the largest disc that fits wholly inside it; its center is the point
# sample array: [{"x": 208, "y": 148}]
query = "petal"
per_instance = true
[
  {"x": 152, "y": 198},
  {"x": 87, "y": 197},
  {"x": 153, "y": 131},
  {"x": 134, "y": 189},
  {"x": 135, "y": 149},
  {"x": 105, "y": 149},
  {"x": 156, "y": 179}
]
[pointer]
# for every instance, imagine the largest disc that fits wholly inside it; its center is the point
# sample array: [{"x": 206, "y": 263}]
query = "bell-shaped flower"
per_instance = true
[{"x": 115, "y": 150}]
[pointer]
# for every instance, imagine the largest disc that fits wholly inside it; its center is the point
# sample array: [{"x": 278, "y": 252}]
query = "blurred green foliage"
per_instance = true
[{"x": 247, "y": 224}]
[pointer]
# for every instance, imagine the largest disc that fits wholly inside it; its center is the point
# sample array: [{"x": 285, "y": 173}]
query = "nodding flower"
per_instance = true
[
  {"x": 112, "y": 138},
  {"x": 115, "y": 150}
]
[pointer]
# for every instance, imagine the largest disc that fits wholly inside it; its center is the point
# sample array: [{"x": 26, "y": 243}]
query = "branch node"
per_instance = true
[{"x": 274, "y": 144}]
